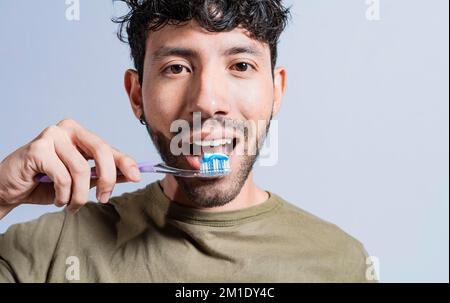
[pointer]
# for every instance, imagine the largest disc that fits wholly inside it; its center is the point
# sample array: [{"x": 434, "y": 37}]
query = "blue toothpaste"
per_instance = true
[{"x": 216, "y": 164}]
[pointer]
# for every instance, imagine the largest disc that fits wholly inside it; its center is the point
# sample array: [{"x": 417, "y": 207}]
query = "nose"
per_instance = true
[{"x": 209, "y": 94}]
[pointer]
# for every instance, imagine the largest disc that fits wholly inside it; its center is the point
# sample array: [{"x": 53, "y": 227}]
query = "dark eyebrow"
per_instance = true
[
  {"x": 163, "y": 52},
  {"x": 250, "y": 50},
  {"x": 174, "y": 51}
]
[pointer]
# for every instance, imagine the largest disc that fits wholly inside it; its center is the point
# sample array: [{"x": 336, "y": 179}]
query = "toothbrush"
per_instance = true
[{"x": 212, "y": 166}]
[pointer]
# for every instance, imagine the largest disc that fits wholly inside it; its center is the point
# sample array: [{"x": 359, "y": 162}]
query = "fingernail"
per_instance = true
[
  {"x": 135, "y": 173},
  {"x": 59, "y": 204},
  {"x": 104, "y": 197}
]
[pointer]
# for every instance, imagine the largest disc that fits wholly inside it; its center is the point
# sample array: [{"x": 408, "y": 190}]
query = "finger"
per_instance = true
[
  {"x": 127, "y": 166},
  {"x": 62, "y": 183},
  {"x": 120, "y": 179},
  {"x": 55, "y": 169},
  {"x": 101, "y": 152},
  {"x": 77, "y": 166}
]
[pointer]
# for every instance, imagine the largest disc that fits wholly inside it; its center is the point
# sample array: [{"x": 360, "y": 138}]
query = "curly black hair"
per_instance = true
[{"x": 265, "y": 20}]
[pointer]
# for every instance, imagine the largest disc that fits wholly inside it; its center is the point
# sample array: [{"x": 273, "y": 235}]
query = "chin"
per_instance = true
[{"x": 211, "y": 193}]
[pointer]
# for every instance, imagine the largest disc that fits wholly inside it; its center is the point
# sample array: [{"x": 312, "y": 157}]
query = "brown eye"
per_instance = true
[
  {"x": 242, "y": 67},
  {"x": 176, "y": 69}
]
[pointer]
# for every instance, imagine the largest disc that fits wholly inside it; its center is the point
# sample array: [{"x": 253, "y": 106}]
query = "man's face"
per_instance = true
[{"x": 227, "y": 78}]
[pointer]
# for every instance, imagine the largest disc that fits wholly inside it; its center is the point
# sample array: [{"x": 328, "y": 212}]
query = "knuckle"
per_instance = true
[
  {"x": 106, "y": 180},
  {"x": 63, "y": 181},
  {"x": 51, "y": 131},
  {"x": 68, "y": 122},
  {"x": 80, "y": 168},
  {"x": 102, "y": 149},
  {"x": 38, "y": 147}
]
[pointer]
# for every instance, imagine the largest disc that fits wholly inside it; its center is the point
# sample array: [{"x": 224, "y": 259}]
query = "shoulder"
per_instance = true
[
  {"x": 325, "y": 240},
  {"x": 325, "y": 233}
]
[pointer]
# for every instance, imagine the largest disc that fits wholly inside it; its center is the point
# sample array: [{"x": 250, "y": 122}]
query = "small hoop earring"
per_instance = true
[{"x": 142, "y": 120}]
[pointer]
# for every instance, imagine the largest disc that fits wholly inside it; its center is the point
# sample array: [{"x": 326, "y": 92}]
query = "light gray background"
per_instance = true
[{"x": 363, "y": 129}]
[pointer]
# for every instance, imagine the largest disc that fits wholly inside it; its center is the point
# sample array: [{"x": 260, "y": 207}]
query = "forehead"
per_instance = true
[{"x": 191, "y": 35}]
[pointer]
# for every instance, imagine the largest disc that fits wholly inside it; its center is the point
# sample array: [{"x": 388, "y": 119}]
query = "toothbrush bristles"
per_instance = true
[{"x": 215, "y": 167}]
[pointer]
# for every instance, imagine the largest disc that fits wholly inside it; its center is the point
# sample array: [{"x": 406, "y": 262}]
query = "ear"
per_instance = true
[
  {"x": 134, "y": 91},
  {"x": 279, "y": 88}
]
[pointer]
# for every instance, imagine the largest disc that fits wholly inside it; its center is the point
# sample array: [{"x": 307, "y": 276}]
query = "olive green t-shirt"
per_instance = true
[{"x": 144, "y": 237}]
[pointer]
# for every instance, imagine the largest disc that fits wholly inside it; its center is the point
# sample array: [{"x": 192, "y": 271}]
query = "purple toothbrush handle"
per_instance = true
[{"x": 143, "y": 168}]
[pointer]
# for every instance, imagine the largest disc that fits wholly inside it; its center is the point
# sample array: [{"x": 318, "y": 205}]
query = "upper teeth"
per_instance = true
[{"x": 213, "y": 142}]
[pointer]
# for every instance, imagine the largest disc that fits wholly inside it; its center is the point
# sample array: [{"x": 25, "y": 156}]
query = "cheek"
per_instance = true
[
  {"x": 161, "y": 106},
  {"x": 256, "y": 100}
]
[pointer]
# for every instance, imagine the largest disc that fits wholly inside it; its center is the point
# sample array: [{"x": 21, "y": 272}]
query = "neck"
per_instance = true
[{"x": 250, "y": 195}]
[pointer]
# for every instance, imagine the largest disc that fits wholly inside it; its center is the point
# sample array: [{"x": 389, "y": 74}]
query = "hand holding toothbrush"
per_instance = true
[{"x": 62, "y": 152}]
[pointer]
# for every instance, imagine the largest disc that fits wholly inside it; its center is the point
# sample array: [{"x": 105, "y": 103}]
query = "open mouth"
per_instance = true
[{"x": 198, "y": 148}]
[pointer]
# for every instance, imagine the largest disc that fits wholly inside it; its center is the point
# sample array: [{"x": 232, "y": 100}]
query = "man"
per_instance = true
[{"x": 214, "y": 60}]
